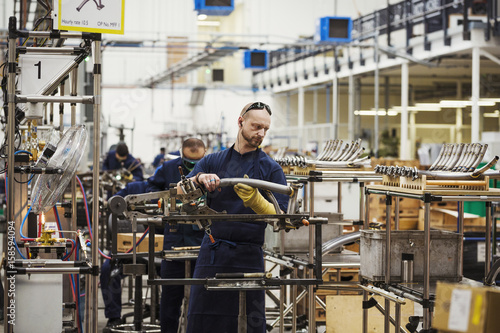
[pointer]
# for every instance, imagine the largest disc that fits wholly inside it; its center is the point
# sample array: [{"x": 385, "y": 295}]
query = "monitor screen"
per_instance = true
[
  {"x": 258, "y": 59},
  {"x": 218, "y": 3},
  {"x": 338, "y": 28}
]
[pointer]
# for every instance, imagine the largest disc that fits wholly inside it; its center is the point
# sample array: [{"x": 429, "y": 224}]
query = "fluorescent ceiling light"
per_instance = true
[
  {"x": 208, "y": 23},
  {"x": 463, "y": 104},
  {"x": 428, "y": 106},
  {"x": 373, "y": 112},
  {"x": 494, "y": 114},
  {"x": 202, "y": 17},
  {"x": 496, "y": 100}
]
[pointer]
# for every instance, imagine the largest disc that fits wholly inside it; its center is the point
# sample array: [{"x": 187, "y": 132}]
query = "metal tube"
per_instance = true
[
  {"x": 440, "y": 155},
  {"x": 95, "y": 179},
  {"x": 487, "y": 234},
  {"x": 361, "y": 201},
  {"x": 365, "y": 313},
  {"x": 54, "y": 270},
  {"x": 461, "y": 232},
  {"x": 242, "y": 316},
  {"x": 55, "y": 99},
  {"x": 310, "y": 289},
  {"x": 290, "y": 308},
  {"x": 367, "y": 211},
  {"x": 396, "y": 213},
  {"x": 52, "y": 50},
  {"x": 427, "y": 241},
  {"x": 339, "y": 241},
  {"x": 339, "y": 197},
  {"x": 73, "y": 92},
  {"x": 262, "y": 184},
  {"x": 388, "y": 203}
]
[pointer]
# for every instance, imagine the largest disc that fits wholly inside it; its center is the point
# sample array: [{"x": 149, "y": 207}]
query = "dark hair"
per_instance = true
[
  {"x": 122, "y": 150},
  {"x": 162, "y": 150},
  {"x": 193, "y": 144}
]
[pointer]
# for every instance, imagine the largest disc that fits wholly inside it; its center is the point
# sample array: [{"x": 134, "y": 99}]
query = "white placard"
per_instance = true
[
  {"x": 103, "y": 16},
  {"x": 460, "y": 305},
  {"x": 38, "y": 72}
]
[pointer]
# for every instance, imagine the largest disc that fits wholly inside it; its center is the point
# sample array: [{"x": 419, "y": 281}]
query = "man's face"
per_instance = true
[{"x": 254, "y": 127}]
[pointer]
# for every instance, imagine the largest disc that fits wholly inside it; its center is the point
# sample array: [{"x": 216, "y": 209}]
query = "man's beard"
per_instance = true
[{"x": 252, "y": 141}]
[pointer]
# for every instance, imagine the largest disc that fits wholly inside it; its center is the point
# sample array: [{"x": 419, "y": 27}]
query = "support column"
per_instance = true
[
  {"x": 350, "y": 118},
  {"x": 300, "y": 117},
  {"x": 413, "y": 132},
  {"x": 474, "y": 128},
  {"x": 335, "y": 106},
  {"x": 459, "y": 116},
  {"x": 403, "y": 147},
  {"x": 375, "y": 102},
  {"x": 315, "y": 106}
]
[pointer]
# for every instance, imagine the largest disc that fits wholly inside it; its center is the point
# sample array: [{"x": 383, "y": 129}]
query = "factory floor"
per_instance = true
[{"x": 128, "y": 308}]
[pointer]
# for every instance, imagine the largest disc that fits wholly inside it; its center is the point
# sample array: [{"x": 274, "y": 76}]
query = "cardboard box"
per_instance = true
[
  {"x": 344, "y": 314},
  {"x": 464, "y": 308},
  {"x": 124, "y": 242}
]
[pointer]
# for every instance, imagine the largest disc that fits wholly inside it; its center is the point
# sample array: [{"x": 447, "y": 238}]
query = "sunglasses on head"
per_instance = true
[{"x": 258, "y": 106}]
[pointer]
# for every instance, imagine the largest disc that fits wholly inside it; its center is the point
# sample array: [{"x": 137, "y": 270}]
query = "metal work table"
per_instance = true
[{"x": 427, "y": 196}]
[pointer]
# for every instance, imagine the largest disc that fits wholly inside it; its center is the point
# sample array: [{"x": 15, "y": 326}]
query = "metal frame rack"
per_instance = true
[
  {"x": 203, "y": 215},
  {"x": 13, "y": 98},
  {"x": 339, "y": 176},
  {"x": 427, "y": 197}
]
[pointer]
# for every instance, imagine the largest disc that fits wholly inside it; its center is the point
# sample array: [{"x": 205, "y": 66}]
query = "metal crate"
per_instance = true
[
  {"x": 297, "y": 241},
  {"x": 445, "y": 254}
]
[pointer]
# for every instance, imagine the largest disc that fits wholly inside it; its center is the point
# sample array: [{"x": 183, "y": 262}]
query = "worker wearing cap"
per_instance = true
[
  {"x": 176, "y": 236},
  {"x": 236, "y": 247}
]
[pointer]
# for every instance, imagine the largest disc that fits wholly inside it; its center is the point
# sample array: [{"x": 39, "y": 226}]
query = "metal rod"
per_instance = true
[
  {"x": 388, "y": 203},
  {"x": 242, "y": 316},
  {"x": 365, "y": 312},
  {"x": 53, "y": 50},
  {"x": 73, "y": 92},
  {"x": 487, "y": 234},
  {"x": 55, "y": 99},
  {"x": 95, "y": 179},
  {"x": 427, "y": 241},
  {"x": 311, "y": 300}
]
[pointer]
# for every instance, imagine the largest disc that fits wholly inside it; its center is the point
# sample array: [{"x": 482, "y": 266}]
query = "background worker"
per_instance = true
[
  {"x": 122, "y": 159},
  {"x": 176, "y": 236},
  {"x": 160, "y": 158},
  {"x": 238, "y": 245}
]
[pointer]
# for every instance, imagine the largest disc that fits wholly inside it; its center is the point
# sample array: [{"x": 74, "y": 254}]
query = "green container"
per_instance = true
[{"x": 479, "y": 207}]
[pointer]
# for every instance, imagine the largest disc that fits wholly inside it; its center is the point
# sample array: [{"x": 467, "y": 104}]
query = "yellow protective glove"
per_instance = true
[{"x": 252, "y": 198}]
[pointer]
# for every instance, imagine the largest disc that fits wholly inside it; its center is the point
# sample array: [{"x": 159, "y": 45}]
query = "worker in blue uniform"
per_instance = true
[
  {"x": 236, "y": 246},
  {"x": 122, "y": 159},
  {"x": 111, "y": 288},
  {"x": 176, "y": 236},
  {"x": 159, "y": 159}
]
